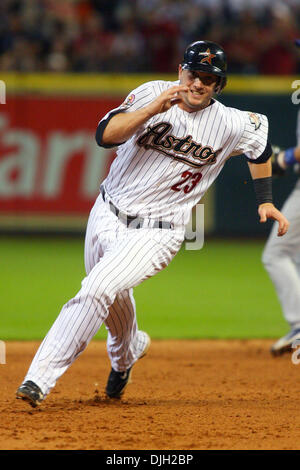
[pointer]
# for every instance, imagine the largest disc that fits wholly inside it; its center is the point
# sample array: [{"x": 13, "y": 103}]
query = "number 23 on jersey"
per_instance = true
[{"x": 187, "y": 176}]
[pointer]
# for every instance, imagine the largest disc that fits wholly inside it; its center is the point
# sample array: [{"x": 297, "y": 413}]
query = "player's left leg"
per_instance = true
[{"x": 125, "y": 343}]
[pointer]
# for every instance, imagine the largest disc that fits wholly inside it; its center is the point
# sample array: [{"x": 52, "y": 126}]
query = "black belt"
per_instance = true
[{"x": 134, "y": 221}]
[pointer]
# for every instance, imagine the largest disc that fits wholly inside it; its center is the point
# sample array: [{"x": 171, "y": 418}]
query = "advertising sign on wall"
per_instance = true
[{"x": 50, "y": 164}]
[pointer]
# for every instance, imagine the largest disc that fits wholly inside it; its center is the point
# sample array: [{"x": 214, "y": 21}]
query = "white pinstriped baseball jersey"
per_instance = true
[{"x": 165, "y": 168}]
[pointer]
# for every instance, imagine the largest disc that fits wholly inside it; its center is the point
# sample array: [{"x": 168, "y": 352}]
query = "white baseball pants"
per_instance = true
[
  {"x": 281, "y": 258},
  {"x": 117, "y": 258}
]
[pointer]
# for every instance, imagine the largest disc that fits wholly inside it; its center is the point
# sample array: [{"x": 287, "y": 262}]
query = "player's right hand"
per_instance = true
[{"x": 166, "y": 100}]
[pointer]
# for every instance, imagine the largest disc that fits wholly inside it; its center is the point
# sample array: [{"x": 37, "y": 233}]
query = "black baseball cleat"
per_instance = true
[
  {"x": 117, "y": 381},
  {"x": 31, "y": 393},
  {"x": 286, "y": 343}
]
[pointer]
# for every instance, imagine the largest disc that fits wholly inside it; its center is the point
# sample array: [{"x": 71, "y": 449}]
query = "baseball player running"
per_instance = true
[
  {"x": 281, "y": 256},
  {"x": 173, "y": 140}
]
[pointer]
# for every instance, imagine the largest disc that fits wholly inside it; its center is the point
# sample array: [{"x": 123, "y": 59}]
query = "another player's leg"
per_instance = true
[
  {"x": 125, "y": 342},
  {"x": 280, "y": 260}
]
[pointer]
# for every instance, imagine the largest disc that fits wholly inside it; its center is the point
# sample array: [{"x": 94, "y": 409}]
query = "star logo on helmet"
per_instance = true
[{"x": 208, "y": 57}]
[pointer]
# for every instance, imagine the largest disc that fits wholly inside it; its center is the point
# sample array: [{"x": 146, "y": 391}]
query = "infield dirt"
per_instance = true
[{"x": 184, "y": 395}]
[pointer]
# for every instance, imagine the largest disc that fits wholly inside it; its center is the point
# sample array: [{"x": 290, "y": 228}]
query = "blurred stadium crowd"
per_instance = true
[{"x": 146, "y": 35}]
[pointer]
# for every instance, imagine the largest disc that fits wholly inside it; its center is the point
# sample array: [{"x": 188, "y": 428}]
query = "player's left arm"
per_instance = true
[
  {"x": 254, "y": 145},
  {"x": 262, "y": 178}
]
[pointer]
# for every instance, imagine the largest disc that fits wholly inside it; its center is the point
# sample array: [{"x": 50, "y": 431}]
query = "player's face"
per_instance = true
[{"x": 201, "y": 87}]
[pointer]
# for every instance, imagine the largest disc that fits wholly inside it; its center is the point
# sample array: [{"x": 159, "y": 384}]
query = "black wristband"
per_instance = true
[{"x": 263, "y": 190}]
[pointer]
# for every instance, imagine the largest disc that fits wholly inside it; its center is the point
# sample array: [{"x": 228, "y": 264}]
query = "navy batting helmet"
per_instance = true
[{"x": 209, "y": 57}]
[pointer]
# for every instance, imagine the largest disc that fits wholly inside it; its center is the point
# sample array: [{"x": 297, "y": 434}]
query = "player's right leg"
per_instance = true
[{"x": 280, "y": 260}]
